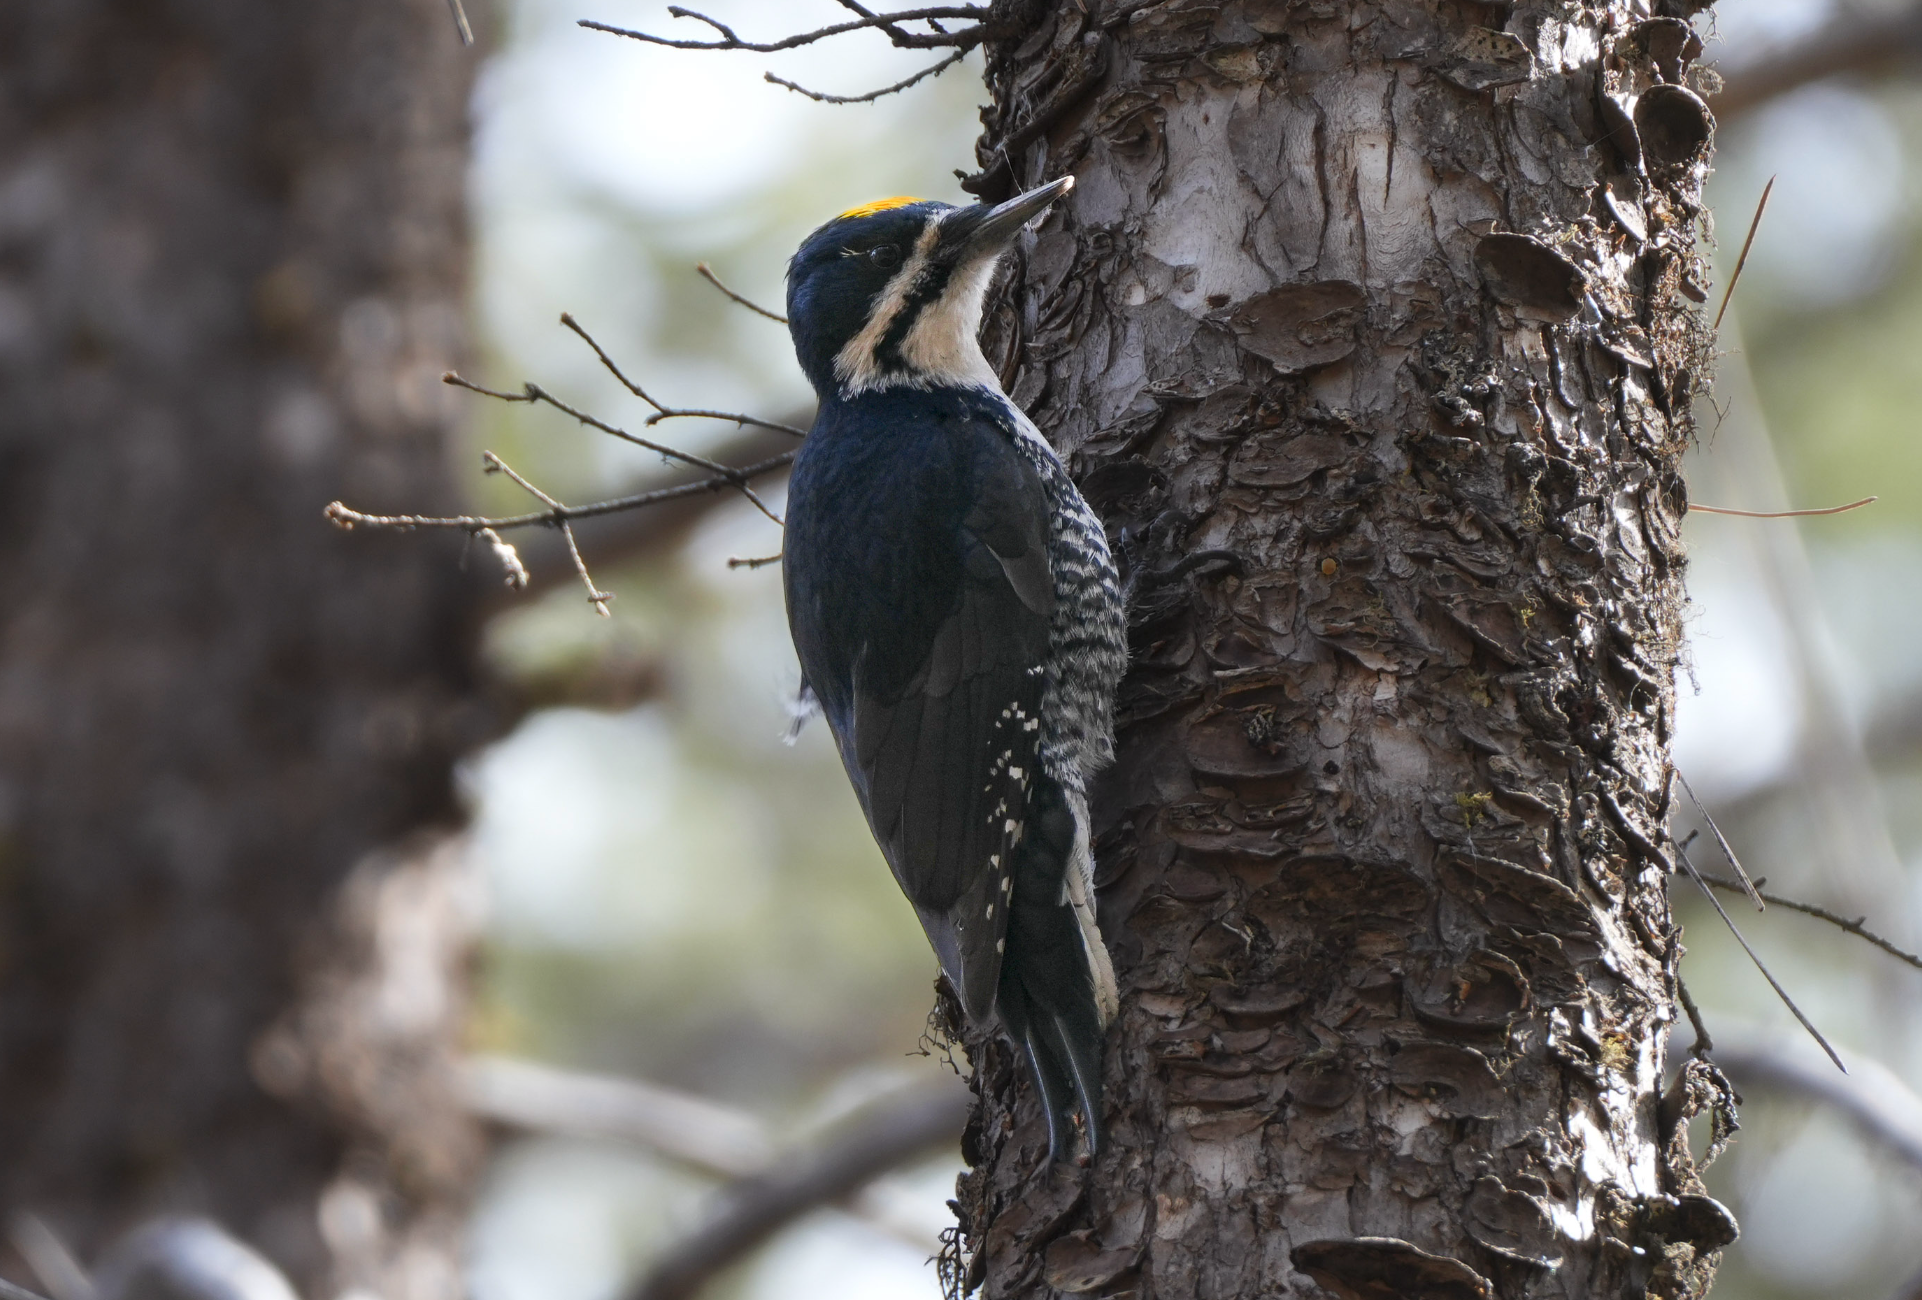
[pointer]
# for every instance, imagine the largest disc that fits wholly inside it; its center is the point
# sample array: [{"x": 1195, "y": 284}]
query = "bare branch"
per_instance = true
[
  {"x": 1854, "y": 43},
  {"x": 194, "y": 1258},
  {"x": 538, "y": 394},
  {"x": 660, "y": 412},
  {"x": 934, "y": 70},
  {"x": 560, "y": 516},
  {"x": 703, "y": 1135},
  {"x": 714, "y": 1139},
  {"x": 697, "y": 413},
  {"x": 863, "y": 11},
  {"x": 707, "y": 273},
  {"x": 616, "y": 538},
  {"x": 595, "y": 596},
  {"x": 453, "y": 380},
  {"x": 534, "y": 393},
  {"x": 345, "y": 517},
  {"x": 882, "y": 1136},
  {"x": 752, "y": 562},
  {"x": 1703, "y": 1044},
  {"x": 888, "y": 24},
  {"x": 1823, "y": 914},
  {"x": 1880, "y": 1104},
  {"x": 1780, "y": 992}
]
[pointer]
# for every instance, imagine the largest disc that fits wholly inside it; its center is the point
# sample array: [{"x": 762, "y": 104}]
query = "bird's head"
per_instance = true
[{"x": 890, "y": 293}]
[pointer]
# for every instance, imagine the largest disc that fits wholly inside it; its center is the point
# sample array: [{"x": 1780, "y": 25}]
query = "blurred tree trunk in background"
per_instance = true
[
  {"x": 1382, "y": 306},
  {"x": 232, "y": 265}
]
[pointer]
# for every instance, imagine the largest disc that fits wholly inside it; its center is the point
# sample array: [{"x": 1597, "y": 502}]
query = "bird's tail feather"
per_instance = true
[
  {"x": 1107, "y": 994},
  {"x": 1047, "y": 996},
  {"x": 1063, "y": 1046}
]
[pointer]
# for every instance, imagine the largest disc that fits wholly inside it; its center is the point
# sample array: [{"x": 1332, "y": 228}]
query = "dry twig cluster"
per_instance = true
[
  {"x": 895, "y": 26},
  {"x": 557, "y": 514}
]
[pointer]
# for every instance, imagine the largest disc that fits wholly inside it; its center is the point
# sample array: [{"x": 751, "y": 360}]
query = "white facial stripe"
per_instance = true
[
  {"x": 941, "y": 345},
  {"x": 855, "y": 366}
]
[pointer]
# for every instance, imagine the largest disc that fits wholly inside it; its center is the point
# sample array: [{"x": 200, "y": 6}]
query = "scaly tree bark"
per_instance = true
[
  {"x": 1369, "y": 328},
  {"x": 232, "y": 264}
]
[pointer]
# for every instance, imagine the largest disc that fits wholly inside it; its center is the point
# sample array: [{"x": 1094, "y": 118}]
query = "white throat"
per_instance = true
[{"x": 941, "y": 348}]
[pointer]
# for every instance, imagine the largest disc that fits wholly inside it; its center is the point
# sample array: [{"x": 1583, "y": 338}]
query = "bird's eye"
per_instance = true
[{"x": 885, "y": 256}]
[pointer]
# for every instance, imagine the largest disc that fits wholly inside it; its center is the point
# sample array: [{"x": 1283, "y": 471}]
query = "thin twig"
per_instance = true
[
  {"x": 595, "y": 596},
  {"x": 752, "y": 562},
  {"x": 861, "y": 10},
  {"x": 453, "y": 380},
  {"x": 1748, "y": 886},
  {"x": 669, "y": 412},
  {"x": 559, "y": 515},
  {"x": 1755, "y": 957},
  {"x": 1782, "y": 514},
  {"x": 539, "y": 394},
  {"x": 819, "y": 97},
  {"x": 532, "y": 392},
  {"x": 345, "y": 517},
  {"x": 700, "y": 413},
  {"x": 1703, "y": 1044},
  {"x": 1823, "y": 914},
  {"x": 460, "y": 22},
  {"x": 728, "y": 472},
  {"x": 707, "y": 273},
  {"x": 887, "y": 23},
  {"x": 1742, "y": 261}
]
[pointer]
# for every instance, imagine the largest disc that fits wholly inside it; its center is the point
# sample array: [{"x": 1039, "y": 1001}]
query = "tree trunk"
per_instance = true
[
  {"x": 232, "y": 266},
  {"x": 1365, "y": 329}
]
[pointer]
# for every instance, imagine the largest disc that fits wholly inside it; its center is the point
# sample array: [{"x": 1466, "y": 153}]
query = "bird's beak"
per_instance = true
[{"x": 991, "y": 229}]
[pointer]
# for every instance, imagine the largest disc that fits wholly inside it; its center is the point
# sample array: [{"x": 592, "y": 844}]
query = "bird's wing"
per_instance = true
[{"x": 945, "y": 761}]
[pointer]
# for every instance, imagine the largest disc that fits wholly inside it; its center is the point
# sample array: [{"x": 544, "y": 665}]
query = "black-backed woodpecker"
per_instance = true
[{"x": 957, "y": 616}]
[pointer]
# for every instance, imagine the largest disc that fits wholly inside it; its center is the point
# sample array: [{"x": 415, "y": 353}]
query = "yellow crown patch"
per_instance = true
[{"x": 879, "y": 205}]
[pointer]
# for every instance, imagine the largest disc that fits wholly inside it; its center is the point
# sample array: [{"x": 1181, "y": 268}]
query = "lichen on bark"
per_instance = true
[{"x": 1381, "y": 316}]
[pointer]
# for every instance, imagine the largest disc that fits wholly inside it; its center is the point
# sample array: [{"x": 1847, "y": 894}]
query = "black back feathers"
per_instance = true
[{"x": 920, "y": 598}]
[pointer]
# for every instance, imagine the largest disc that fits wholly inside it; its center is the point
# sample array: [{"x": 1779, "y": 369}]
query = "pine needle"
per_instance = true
[
  {"x": 1742, "y": 260},
  {"x": 1753, "y": 956}
]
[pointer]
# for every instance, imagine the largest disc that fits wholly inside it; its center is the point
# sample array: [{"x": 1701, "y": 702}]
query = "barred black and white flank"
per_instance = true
[{"x": 956, "y": 612}]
